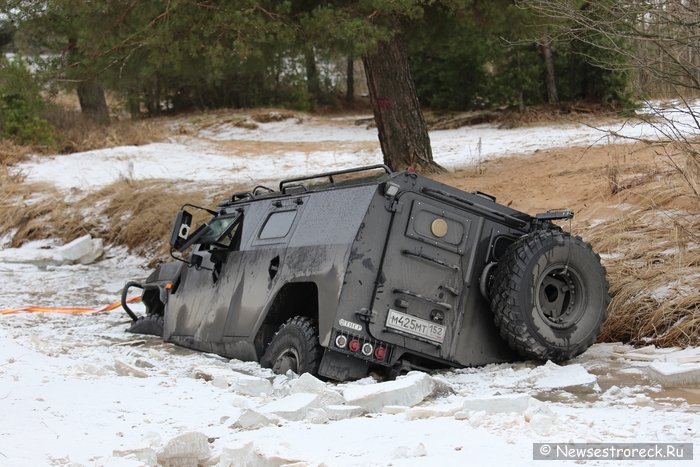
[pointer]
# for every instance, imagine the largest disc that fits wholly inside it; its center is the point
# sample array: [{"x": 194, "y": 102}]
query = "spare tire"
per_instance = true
[{"x": 549, "y": 295}]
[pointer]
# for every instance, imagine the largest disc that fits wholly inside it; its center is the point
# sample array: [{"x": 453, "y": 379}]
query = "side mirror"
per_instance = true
[
  {"x": 181, "y": 230},
  {"x": 196, "y": 260}
]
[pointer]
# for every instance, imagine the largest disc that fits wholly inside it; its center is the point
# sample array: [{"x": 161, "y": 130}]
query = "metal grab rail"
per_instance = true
[{"x": 330, "y": 175}]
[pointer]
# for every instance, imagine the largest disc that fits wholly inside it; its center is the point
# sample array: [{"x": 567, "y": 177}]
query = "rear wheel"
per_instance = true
[
  {"x": 294, "y": 347},
  {"x": 549, "y": 296}
]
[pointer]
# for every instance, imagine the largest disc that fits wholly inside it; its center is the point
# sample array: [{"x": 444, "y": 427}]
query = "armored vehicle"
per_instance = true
[{"x": 343, "y": 273}]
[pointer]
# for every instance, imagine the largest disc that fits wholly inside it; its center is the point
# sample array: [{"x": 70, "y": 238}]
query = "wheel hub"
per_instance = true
[
  {"x": 287, "y": 360},
  {"x": 558, "y": 297}
]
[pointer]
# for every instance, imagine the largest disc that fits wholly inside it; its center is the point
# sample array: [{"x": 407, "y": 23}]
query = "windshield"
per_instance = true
[{"x": 219, "y": 232}]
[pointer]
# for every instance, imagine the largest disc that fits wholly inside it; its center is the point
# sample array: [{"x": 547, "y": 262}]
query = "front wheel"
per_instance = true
[
  {"x": 294, "y": 347},
  {"x": 151, "y": 324},
  {"x": 549, "y": 296}
]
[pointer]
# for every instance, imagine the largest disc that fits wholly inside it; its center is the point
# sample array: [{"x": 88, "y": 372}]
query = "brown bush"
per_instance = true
[
  {"x": 139, "y": 214},
  {"x": 76, "y": 133},
  {"x": 12, "y": 153},
  {"x": 653, "y": 262}
]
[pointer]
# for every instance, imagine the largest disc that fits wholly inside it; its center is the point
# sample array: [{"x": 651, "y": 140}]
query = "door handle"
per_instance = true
[{"x": 274, "y": 267}]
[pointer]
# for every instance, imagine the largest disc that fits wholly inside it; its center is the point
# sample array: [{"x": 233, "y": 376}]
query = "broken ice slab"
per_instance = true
[
  {"x": 186, "y": 449},
  {"x": 294, "y": 407},
  {"x": 570, "y": 377},
  {"x": 408, "y": 390},
  {"x": 670, "y": 374},
  {"x": 82, "y": 250}
]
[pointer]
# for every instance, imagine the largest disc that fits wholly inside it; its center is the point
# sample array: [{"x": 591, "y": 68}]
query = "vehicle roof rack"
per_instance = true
[{"x": 330, "y": 175}]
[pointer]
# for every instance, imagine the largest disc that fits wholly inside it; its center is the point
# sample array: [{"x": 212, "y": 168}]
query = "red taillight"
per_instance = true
[
  {"x": 354, "y": 345},
  {"x": 379, "y": 353}
]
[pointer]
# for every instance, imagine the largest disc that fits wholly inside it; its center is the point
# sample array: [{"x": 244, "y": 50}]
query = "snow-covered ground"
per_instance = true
[
  {"x": 223, "y": 151},
  {"x": 78, "y": 390}
]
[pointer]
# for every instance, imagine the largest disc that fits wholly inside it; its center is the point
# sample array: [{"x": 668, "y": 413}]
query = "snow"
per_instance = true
[
  {"x": 64, "y": 382},
  {"x": 79, "y": 391},
  {"x": 219, "y": 152}
]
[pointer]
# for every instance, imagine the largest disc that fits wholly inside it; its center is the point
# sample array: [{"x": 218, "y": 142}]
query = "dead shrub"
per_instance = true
[
  {"x": 76, "y": 133},
  {"x": 139, "y": 214},
  {"x": 31, "y": 211},
  {"x": 12, "y": 153},
  {"x": 653, "y": 264}
]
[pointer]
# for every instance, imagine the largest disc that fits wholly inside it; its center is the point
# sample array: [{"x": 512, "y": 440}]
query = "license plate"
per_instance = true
[{"x": 416, "y": 326}]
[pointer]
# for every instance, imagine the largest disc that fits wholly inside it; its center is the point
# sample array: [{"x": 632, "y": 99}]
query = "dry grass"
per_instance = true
[
  {"x": 33, "y": 211},
  {"x": 11, "y": 153},
  {"x": 139, "y": 214},
  {"x": 76, "y": 133},
  {"x": 136, "y": 214},
  {"x": 652, "y": 257}
]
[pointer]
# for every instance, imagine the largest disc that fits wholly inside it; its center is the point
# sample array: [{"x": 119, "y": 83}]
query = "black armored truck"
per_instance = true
[{"x": 343, "y": 273}]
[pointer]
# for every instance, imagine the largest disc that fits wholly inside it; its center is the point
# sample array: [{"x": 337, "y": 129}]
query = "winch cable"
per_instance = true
[{"x": 69, "y": 310}]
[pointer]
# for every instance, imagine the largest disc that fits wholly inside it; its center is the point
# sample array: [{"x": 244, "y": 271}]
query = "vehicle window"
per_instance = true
[
  {"x": 219, "y": 231},
  {"x": 277, "y": 225}
]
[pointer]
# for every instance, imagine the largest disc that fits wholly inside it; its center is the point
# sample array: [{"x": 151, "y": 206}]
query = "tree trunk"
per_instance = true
[
  {"x": 312, "y": 82},
  {"x": 90, "y": 93},
  {"x": 350, "y": 81},
  {"x": 134, "y": 104},
  {"x": 92, "y": 101},
  {"x": 403, "y": 134},
  {"x": 549, "y": 79}
]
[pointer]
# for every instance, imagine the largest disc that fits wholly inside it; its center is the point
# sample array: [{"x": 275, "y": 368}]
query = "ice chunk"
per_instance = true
[
  {"x": 223, "y": 377},
  {"x": 542, "y": 424},
  {"x": 247, "y": 454},
  {"x": 395, "y": 409},
  {"x": 83, "y": 250},
  {"x": 570, "y": 377},
  {"x": 671, "y": 374},
  {"x": 442, "y": 387},
  {"x": 340, "y": 412},
  {"x": 251, "y": 419},
  {"x": 187, "y": 449},
  {"x": 219, "y": 382},
  {"x": 249, "y": 385},
  {"x": 408, "y": 390},
  {"x": 309, "y": 384},
  {"x": 146, "y": 456},
  {"x": 207, "y": 373},
  {"x": 293, "y": 407},
  {"x": 415, "y": 413},
  {"x": 317, "y": 416},
  {"x": 498, "y": 404},
  {"x": 124, "y": 369},
  {"x": 540, "y": 418}
]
